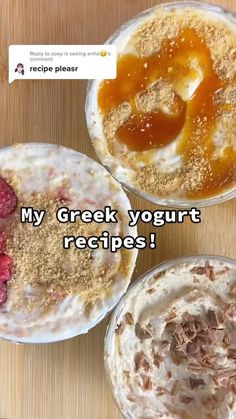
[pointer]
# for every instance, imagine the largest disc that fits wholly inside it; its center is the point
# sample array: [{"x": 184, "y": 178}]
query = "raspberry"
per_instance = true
[
  {"x": 8, "y": 199},
  {"x": 3, "y": 239},
  {"x": 62, "y": 195},
  {"x": 3, "y": 294},
  {"x": 5, "y": 268}
]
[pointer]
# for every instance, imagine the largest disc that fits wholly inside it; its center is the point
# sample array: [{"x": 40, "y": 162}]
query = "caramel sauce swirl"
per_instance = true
[{"x": 164, "y": 109}]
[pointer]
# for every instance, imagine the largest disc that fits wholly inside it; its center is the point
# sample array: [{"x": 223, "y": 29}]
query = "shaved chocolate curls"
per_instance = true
[
  {"x": 207, "y": 270},
  {"x": 142, "y": 333}
]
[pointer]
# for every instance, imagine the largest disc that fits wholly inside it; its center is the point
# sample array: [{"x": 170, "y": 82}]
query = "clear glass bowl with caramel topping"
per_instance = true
[{"x": 165, "y": 127}]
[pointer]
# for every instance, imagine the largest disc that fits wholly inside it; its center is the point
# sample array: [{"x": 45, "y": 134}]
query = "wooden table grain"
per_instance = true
[{"x": 66, "y": 380}]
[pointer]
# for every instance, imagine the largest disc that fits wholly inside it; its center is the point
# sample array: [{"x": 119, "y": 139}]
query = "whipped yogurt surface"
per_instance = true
[
  {"x": 171, "y": 345},
  {"x": 77, "y": 182}
]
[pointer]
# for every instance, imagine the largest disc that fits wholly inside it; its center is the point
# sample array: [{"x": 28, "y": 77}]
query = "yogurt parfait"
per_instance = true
[
  {"x": 48, "y": 292},
  {"x": 165, "y": 127},
  {"x": 170, "y": 348}
]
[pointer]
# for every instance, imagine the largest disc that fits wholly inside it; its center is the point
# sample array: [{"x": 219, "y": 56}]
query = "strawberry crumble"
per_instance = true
[
  {"x": 48, "y": 293},
  {"x": 8, "y": 203},
  {"x": 171, "y": 346}
]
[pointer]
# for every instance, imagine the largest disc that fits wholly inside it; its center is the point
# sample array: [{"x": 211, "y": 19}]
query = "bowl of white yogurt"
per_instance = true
[
  {"x": 49, "y": 290},
  {"x": 170, "y": 345},
  {"x": 165, "y": 127}
]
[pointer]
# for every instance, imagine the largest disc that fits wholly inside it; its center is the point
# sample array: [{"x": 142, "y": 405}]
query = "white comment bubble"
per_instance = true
[{"x": 62, "y": 62}]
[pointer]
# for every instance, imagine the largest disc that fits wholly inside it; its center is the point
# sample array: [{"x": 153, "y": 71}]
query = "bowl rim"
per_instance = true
[
  {"x": 164, "y": 265},
  {"x": 155, "y": 199},
  {"x": 93, "y": 323}
]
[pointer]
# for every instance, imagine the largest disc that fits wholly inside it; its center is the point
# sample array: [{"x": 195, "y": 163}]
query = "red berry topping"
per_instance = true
[
  {"x": 8, "y": 199},
  {"x": 63, "y": 195},
  {"x": 6, "y": 265},
  {"x": 3, "y": 239},
  {"x": 3, "y": 294}
]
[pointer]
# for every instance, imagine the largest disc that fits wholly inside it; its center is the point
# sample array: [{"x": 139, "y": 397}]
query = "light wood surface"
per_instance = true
[{"x": 66, "y": 380}]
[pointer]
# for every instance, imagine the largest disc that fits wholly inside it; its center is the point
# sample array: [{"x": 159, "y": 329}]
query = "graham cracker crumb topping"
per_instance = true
[
  {"x": 45, "y": 273},
  {"x": 150, "y": 108}
]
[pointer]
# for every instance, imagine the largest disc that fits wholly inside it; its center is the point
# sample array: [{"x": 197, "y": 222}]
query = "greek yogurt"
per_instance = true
[
  {"x": 165, "y": 127},
  {"x": 54, "y": 293}
]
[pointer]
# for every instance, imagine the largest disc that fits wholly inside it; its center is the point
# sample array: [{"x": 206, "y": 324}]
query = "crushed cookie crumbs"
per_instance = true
[
  {"x": 41, "y": 263},
  {"x": 167, "y": 25},
  {"x": 197, "y": 174}
]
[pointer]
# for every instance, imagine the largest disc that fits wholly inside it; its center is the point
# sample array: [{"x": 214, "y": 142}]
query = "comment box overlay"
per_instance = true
[{"x": 62, "y": 62}]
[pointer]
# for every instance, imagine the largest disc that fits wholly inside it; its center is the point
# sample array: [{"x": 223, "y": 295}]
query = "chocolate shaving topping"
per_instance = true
[
  {"x": 129, "y": 319},
  {"x": 212, "y": 319},
  {"x": 169, "y": 374},
  {"x": 157, "y": 359},
  {"x": 221, "y": 316},
  {"x": 120, "y": 328},
  {"x": 226, "y": 372},
  {"x": 186, "y": 399},
  {"x": 226, "y": 340},
  {"x": 208, "y": 360},
  {"x": 196, "y": 338},
  {"x": 233, "y": 291},
  {"x": 222, "y": 271},
  {"x": 147, "y": 383},
  {"x": 195, "y": 367},
  {"x": 231, "y": 310},
  {"x": 141, "y": 361},
  {"x": 233, "y": 388},
  {"x": 170, "y": 327},
  {"x": 181, "y": 336},
  {"x": 177, "y": 356},
  {"x": 188, "y": 317},
  {"x": 151, "y": 290},
  {"x": 199, "y": 270},
  {"x": 196, "y": 382},
  {"x": 232, "y": 353},
  {"x": 141, "y": 332},
  {"x": 200, "y": 324},
  {"x": 193, "y": 349},
  {"x": 164, "y": 345},
  {"x": 210, "y": 273},
  {"x": 207, "y": 270},
  {"x": 159, "y": 275},
  {"x": 171, "y": 315}
]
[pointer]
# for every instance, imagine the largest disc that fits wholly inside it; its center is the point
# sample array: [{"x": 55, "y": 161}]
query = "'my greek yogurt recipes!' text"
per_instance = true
[{"x": 158, "y": 219}]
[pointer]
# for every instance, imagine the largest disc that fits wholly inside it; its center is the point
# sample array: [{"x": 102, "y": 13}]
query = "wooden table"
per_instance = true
[{"x": 66, "y": 380}]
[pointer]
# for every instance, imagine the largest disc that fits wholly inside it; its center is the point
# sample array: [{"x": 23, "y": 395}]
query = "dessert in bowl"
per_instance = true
[
  {"x": 48, "y": 293},
  {"x": 170, "y": 348},
  {"x": 165, "y": 127}
]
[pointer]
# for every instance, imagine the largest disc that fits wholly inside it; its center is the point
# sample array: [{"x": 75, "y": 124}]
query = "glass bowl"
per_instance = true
[
  {"x": 56, "y": 169},
  {"x": 94, "y": 117},
  {"x": 130, "y": 302}
]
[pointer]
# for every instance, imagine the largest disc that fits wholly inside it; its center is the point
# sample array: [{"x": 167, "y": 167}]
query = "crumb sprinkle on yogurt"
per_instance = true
[
  {"x": 55, "y": 293},
  {"x": 166, "y": 125}
]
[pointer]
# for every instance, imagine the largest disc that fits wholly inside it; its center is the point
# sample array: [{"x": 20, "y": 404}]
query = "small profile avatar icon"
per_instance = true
[{"x": 20, "y": 69}]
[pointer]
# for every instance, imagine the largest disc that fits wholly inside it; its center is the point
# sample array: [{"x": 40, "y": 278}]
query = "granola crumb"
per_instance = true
[{"x": 41, "y": 262}]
